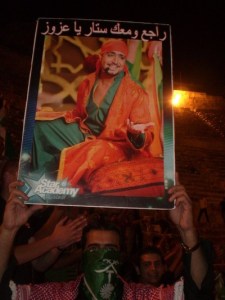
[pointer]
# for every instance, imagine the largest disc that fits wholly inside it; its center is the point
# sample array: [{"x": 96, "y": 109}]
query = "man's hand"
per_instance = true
[
  {"x": 16, "y": 212},
  {"x": 182, "y": 215},
  {"x": 15, "y": 215},
  {"x": 138, "y": 128},
  {"x": 68, "y": 231}
]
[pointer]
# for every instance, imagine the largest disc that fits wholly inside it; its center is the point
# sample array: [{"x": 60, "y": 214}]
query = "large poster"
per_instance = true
[{"x": 98, "y": 126}]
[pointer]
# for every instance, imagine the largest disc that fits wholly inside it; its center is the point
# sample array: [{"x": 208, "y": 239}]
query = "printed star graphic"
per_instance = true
[{"x": 31, "y": 184}]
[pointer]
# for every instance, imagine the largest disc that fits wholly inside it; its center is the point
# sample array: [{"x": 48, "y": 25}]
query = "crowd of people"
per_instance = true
[
  {"x": 100, "y": 253},
  {"x": 94, "y": 247}
]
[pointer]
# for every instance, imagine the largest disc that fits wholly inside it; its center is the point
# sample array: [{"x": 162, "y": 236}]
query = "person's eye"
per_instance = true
[
  {"x": 122, "y": 57},
  {"x": 157, "y": 264},
  {"x": 146, "y": 265},
  {"x": 115, "y": 248},
  {"x": 93, "y": 248}
]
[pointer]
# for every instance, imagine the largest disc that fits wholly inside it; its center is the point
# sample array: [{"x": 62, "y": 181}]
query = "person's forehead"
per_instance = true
[
  {"x": 102, "y": 237},
  {"x": 115, "y": 52},
  {"x": 150, "y": 257}
]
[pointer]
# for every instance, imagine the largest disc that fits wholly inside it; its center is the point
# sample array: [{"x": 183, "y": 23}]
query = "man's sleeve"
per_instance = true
[{"x": 191, "y": 291}]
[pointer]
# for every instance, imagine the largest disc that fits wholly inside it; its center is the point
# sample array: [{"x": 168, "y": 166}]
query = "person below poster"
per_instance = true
[{"x": 98, "y": 130}]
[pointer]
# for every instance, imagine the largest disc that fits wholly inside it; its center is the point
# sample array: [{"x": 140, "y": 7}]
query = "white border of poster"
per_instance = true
[{"x": 65, "y": 54}]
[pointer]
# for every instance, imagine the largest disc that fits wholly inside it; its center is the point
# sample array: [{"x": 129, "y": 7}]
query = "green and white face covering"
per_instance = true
[{"x": 101, "y": 267}]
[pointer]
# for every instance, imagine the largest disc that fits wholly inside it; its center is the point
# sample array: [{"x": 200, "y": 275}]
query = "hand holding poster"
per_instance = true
[{"x": 98, "y": 126}]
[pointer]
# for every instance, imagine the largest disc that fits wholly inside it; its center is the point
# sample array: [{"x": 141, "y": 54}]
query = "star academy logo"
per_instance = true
[{"x": 44, "y": 187}]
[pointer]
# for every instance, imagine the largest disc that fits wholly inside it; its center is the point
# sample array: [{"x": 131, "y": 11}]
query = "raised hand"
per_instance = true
[
  {"x": 68, "y": 231},
  {"x": 182, "y": 215},
  {"x": 16, "y": 212}
]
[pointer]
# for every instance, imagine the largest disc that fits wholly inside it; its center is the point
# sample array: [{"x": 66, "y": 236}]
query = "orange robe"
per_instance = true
[{"x": 112, "y": 144}]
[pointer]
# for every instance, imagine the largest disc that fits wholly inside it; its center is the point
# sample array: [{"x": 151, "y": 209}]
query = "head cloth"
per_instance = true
[{"x": 114, "y": 45}]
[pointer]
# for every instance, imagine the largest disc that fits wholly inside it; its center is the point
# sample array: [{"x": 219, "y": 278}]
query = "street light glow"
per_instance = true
[{"x": 179, "y": 98}]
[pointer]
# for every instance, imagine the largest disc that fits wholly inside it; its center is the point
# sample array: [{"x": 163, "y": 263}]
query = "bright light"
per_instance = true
[
  {"x": 176, "y": 98},
  {"x": 179, "y": 97}
]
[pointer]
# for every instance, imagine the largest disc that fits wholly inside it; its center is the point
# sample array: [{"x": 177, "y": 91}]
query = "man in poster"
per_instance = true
[{"x": 110, "y": 123}]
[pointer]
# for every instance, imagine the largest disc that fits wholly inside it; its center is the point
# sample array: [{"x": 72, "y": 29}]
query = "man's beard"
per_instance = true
[{"x": 107, "y": 70}]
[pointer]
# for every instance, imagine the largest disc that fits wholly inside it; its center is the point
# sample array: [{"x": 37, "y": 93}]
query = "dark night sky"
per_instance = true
[{"x": 198, "y": 31}]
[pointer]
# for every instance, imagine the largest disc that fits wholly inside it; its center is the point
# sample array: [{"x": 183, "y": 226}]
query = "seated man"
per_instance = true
[
  {"x": 111, "y": 122},
  {"x": 153, "y": 269},
  {"x": 101, "y": 277}
]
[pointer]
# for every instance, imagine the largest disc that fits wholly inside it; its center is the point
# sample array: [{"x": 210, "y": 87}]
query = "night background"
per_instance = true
[
  {"x": 198, "y": 33},
  {"x": 198, "y": 61}
]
